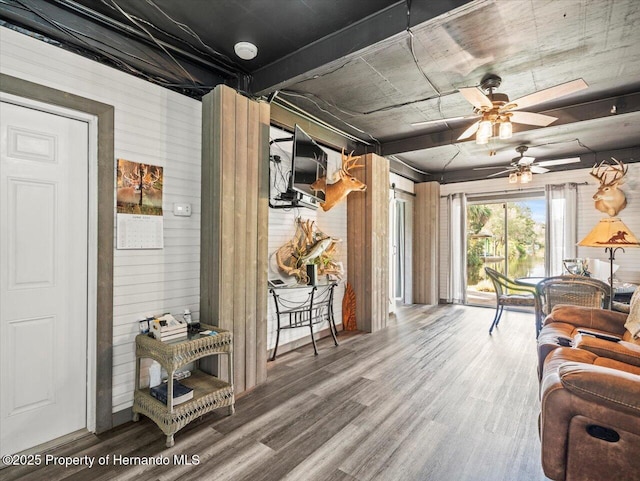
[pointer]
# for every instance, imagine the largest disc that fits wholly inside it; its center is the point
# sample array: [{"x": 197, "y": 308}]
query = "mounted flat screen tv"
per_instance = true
[{"x": 308, "y": 163}]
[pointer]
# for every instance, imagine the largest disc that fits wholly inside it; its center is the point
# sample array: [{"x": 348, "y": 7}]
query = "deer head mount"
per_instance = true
[
  {"x": 345, "y": 183},
  {"x": 609, "y": 198}
]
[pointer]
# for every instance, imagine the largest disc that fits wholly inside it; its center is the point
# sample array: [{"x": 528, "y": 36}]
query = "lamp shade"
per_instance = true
[{"x": 610, "y": 232}]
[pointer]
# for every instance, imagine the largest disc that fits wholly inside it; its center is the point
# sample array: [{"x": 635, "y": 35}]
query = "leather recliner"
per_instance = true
[
  {"x": 590, "y": 415},
  {"x": 562, "y": 326}
]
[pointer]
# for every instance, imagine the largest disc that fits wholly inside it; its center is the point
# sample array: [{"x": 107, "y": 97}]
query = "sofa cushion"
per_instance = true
[
  {"x": 608, "y": 387},
  {"x": 589, "y": 317},
  {"x": 633, "y": 319}
]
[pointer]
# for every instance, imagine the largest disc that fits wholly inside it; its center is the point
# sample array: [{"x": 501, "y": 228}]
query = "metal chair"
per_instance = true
[
  {"x": 573, "y": 290},
  {"x": 504, "y": 287}
]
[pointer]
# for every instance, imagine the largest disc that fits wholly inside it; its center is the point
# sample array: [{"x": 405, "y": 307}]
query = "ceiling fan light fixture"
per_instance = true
[
  {"x": 526, "y": 177},
  {"x": 485, "y": 129},
  {"x": 513, "y": 178},
  {"x": 506, "y": 130}
]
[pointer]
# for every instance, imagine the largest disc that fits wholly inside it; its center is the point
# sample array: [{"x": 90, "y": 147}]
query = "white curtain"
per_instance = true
[
  {"x": 457, "y": 204},
  {"x": 561, "y": 229}
]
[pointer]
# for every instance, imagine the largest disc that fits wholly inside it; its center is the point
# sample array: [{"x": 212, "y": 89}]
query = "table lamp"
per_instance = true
[{"x": 612, "y": 234}]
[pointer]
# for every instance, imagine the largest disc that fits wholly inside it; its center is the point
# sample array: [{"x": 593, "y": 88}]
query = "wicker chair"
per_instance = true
[
  {"x": 572, "y": 290},
  {"x": 508, "y": 293}
]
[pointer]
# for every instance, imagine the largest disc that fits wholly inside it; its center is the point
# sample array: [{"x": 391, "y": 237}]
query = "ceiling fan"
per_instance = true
[
  {"x": 496, "y": 108},
  {"x": 522, "y": 168}
]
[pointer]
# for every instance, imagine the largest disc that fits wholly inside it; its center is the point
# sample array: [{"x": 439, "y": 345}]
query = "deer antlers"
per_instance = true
[
  {"x": 349, "y": 163},
  {"x": 609, "y": 198},
  {"x": 600, "y": 172}
]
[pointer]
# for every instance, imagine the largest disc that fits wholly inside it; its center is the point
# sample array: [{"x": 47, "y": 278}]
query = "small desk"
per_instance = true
[{"x": 316, "y": 307}]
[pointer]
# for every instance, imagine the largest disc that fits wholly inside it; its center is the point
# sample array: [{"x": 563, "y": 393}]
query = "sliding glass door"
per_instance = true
[
  {"x": 398, "y": 249},
  {"x": 508, "y": 236}
]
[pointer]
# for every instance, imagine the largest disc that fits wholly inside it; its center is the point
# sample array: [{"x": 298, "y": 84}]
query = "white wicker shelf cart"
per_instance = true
[{"x": 210, "y": 392}]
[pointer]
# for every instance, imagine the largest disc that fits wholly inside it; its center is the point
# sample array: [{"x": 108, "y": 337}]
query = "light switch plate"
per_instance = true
[{"x": 183, "y": 210}]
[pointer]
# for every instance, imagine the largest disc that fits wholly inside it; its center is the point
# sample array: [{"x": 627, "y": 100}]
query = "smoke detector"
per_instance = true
[{"x": 246, "y": 50}]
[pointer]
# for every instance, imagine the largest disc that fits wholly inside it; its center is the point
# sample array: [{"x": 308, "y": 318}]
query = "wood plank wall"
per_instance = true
[
  {"x": 425, "y": 244},
  {"x": 233, "y": 279},
  {"x": 368, "y": 239}
]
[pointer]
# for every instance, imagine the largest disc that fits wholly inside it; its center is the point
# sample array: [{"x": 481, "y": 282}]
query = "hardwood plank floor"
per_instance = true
[{"x": 432, "y": 397}]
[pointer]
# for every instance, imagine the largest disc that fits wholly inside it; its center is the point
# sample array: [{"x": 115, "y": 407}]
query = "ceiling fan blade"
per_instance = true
[
  {"x": 472, "y": 129},
  {"x": 536, "y": 169},
  {"x": 569, "y": 160},
  {"x": 499, "y": 173},
  {"x": 488, "y": 168},
  {"x": 550, "y": 94},
  {"x": 440, "y": 121},
  {"x": 526, "y": 160},
  {"x": 531, "y": 118},
  {"x": 476, "y": 98}
]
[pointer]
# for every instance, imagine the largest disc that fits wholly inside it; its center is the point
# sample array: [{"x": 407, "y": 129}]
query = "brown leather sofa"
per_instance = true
[
  {"x": 590, "y": 396},
  {"x": 564, "y": 323},
  {"x": 590, "y": 417}
]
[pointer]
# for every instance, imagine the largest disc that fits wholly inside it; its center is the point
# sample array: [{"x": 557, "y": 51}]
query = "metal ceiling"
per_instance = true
[{"x": 373, "y": 68}]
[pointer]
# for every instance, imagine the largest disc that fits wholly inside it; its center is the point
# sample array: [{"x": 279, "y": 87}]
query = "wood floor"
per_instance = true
[{"x": 432, "y": 397}]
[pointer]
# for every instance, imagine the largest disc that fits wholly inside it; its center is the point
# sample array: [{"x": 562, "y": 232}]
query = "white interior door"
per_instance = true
[{"x": 43, "y": 276}]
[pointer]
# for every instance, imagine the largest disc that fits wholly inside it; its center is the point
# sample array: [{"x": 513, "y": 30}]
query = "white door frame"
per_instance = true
[{"x": 92, "y": 235}]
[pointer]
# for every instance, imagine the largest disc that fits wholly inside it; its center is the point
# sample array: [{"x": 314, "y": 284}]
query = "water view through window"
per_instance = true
[{"x": 506, "y": 236}]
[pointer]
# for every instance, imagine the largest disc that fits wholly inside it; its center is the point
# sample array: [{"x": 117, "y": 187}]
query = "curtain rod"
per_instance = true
[
  {"x": 520, "y": 191},
  {"x": 402, "y": 191}
]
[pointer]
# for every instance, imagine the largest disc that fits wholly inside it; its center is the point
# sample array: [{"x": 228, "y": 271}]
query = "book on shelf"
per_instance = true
[
  {"x": 173, "y": 337},
  {"x": 168, "y": 327},
  {"x": 181, "y": 393}
]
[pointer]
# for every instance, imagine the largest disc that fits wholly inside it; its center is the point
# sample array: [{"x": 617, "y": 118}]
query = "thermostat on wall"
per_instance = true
[{"x": 183, "y": 210}]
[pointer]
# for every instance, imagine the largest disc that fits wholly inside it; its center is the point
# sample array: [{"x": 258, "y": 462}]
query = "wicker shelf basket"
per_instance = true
[{"x": 209, "y": 393}]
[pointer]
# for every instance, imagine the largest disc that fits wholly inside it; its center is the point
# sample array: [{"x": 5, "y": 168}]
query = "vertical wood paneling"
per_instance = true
[
  {"x": 232, "y": 257},
  {"x": 425, "y": 246},
  {"x": 240, "y": 233},
  {"x": 262, "y": 258},
  {"x": 368, "y": 234},
  {"x": 251, "y": 230}
]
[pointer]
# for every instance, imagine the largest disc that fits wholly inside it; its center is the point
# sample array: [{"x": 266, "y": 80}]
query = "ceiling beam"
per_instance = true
[
  {"x": 357, "y": 36},
  {"x": 567, "y": 115},
  {"x": 588, "y": 160}
]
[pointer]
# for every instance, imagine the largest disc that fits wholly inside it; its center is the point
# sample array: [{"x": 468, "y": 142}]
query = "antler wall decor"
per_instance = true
[
  {"x": 309, "y": 245},
  {"x": 343, "y": 185},
  {"x": 609, "y": 198}
]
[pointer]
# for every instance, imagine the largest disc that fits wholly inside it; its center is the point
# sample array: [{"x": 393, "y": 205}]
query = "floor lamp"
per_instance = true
[{"x": 612, "y": 234}]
